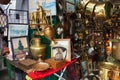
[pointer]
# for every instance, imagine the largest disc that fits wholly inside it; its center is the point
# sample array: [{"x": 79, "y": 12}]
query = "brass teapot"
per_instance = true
[{"x": 37, "y": 48}]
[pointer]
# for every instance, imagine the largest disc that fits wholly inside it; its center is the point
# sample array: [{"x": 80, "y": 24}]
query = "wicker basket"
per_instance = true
[{"x": 54, "y": 63}]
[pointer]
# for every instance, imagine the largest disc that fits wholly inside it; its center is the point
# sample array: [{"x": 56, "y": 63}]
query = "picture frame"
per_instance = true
[
  {"x": 19, "y": 44},
  {"x": 17, "y": 30},
  {"x": 65, "y": 47},
  {"x": 18, "y": 16}
]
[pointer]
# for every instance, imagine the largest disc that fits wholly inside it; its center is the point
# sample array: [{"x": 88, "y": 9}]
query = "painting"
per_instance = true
[
  {"x": 19, "y": 46},
  {"x": 48, "y": 5},
  {"x": 18, "y": 16},
  {"x": 17, "y": 30},
  {"x": 61, "y": 50}
]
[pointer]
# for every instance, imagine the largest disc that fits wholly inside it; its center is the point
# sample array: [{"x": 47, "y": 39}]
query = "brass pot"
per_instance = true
[
  {"x": 116, "y": 49},
  {"x": 103, "y": 10},
  {"x": 105, "y": 68},
  {"x": 37, "y": 48}
]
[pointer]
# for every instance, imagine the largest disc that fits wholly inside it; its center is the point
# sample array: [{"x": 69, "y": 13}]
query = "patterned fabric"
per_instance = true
[{"x": 3, "y": 20}]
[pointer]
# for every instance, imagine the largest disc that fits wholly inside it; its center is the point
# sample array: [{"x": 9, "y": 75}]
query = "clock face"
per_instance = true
[{"x": 3, "y": 20}]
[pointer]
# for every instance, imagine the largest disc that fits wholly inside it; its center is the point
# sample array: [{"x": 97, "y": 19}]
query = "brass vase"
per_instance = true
[{"x": 37, "y": 48}]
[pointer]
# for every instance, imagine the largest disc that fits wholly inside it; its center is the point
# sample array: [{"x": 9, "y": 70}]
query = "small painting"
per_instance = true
[{"x": 19, "y": 46}]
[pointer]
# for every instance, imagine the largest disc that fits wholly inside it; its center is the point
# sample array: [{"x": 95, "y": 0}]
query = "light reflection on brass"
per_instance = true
[
  {"x": 39, "y": 22},
  {"x": 105, "y": 67}
]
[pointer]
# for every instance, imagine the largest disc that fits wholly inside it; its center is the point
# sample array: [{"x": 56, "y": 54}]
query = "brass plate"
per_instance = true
[{"x": 41, "y": 66}]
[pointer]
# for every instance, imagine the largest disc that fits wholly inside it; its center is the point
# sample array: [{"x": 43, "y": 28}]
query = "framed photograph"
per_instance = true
[
  {"x": 63, "y": 47},
  {"x": 84, "y": 68},
  {"x": 18, "y": 16},
  {"x": 17, "y": 30},
  {"x": 20, "y": 45}
]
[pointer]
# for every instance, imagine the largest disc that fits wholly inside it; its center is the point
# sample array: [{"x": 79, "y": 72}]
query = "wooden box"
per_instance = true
[{"x": 54, "y": 63}]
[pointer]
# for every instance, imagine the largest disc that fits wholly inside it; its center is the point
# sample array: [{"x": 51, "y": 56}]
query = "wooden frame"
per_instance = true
[
  {"x": 17, "y": 30},
  {"x": 19, "y": 44},
  {"x": 64, "y": 44}
]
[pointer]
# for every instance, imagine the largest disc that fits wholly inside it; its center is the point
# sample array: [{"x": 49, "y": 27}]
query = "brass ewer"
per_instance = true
[{"x": 37, "y": 48}]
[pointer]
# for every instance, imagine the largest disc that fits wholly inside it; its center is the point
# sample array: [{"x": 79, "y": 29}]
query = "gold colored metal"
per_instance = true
[
  {"x": 116, "y": 49},
  {"x": 39, "y": 21},
  {"x": 84, "y": 3},
  {"x": 105, "y": 67},
  {"x": 89, "y": 9},
  {"x": 41, "y": 66},
  {"x": 37, "y": 48},
  {"x": 49, "y": 32},
  {"x": 103, "y": 10}
]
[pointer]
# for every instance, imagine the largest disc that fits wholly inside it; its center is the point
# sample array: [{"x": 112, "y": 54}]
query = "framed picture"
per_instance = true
[
  {"x": 20, "y": 44},
  {"x": 18, "y": 16},
  {"x": 84, "y": 68},
  {"x": 62, "y": 46},
  {"x": 17, "y": 30}
]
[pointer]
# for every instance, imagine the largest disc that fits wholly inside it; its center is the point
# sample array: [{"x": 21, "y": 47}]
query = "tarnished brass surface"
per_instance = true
[
  {"x": 89, "y": 9},
  {"x": 105, "y": 67},
  {"x": 41, "y": 66},
  {"x": 37, "y": 48},
  {"x": 116, "y": 50}
]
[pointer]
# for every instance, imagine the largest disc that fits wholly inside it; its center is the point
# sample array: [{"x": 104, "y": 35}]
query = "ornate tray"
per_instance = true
[{"x": 41, "y": 66}]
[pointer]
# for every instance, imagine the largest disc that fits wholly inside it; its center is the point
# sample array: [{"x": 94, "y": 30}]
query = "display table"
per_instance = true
[{"x": 42, "y": 74}]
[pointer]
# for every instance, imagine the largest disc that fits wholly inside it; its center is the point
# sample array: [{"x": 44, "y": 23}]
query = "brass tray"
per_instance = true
[
  {"x": 27, "y": 62},
  {"x": 41, "y": 66}
]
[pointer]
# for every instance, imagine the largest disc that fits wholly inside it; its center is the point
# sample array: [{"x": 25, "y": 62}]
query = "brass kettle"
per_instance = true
[{"x": 37, "y": 48}]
